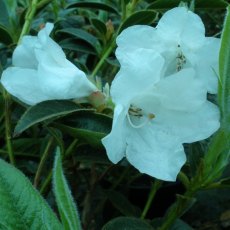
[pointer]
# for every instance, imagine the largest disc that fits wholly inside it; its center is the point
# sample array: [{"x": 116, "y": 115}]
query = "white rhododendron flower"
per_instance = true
[
  {"x": 180, "y": 38},
  {"x": 41, "y": 72},
  {"x": 155, "y": 114}
]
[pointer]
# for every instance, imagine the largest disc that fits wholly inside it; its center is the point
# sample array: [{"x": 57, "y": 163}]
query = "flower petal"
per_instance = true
[
  {"x": 135, "y": 37},
  {"x": 24, "y": 55},
  {"x": 155, "y": 152},
  {"x": 115, "y": 142},
  {"x": 23, "y": 84},
  {"x": 62, "y": 82},
  {"x": 179, "y": 25},
  {"x": 205, "y": 60},
  {"x": 190, "y": 126},
  {"x": 181, "y": 91},
  {"x": 140, "y": 70}
]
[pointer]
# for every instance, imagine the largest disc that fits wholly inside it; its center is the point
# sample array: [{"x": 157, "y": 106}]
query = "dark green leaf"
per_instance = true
[
  {"x": 5, "y": 37},
  {"x": 99, "y": 25},
  {"x": 43, "y": 111},
  {"x": 122, "y": 204},
  {"x": 66, "y": 206},
  {"x": 93, "y": 5},
  {"x": 77, "y": 45},
  {"x": 22, "y": 207},
  {"x": 91, "y": 127},
  {"x": 127, "y": 223},
  {"x": 199, "y": 4},
  {"x": 144, "y": 17},
  {"x": 82, "y": 34}
]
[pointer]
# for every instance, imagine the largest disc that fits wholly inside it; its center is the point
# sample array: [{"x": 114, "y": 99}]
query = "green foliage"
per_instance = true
[
  {"x": 66, "y": 206},
  {"x": 21, "y": 206},
  {"x": 127, "y": 223},
  {"x": 44, "y": 111}
]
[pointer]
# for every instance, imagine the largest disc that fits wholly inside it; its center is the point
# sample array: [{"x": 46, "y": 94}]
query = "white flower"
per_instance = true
[
  {"x": 154, "y": 116},
  {"x": 41, "y": 72},
  {"x": 180, "y": 38}
]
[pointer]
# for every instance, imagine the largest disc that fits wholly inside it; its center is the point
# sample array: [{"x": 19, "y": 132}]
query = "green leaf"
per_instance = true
[
  {"x": 22, "y": 207},
  {"x": 199, "y": 4},
  {"x": 99, "y": 25},
  {"x": 127, "y": 223},
  {"x": 91, "y": 127},
  {"x": 144, "y": 17},
  {"x": 43, "y": 111},
  {"x": 224, "y": 72},
  {"x": 82, "y": 34},
  {"x": 5, "y": 36},
  {"x": 123, "y": 204},
  {"x": 77, "y": 45},
  {"x": 66, "y": 206},
  {"x": 218, "y": 154},
  {"x": 94, "y": 5}
]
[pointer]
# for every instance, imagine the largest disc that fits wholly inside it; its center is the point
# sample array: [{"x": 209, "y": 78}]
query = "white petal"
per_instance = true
[
  {"x": 190, "y": 126},
  {"x": 23, "y": 84},
  {"x": 135, "y": 37},
  {"x": 44, "y": 33},
  {"x": 181, "y": 26},
  {"x": 181, "y": 91},
  {"x": 155, "y": 152},
  {"x": 115, "y": 142},
  {"x": 24, "y": 55},
  {"x": 62, "y": 82},
  {"x": 140, "y": 70},
  {"x": 206, "y": 61}
]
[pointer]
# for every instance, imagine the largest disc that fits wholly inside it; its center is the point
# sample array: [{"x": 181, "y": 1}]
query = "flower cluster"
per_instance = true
[
  {"x": 160, "y": 92},
  {"x": 165, "y": 73}
]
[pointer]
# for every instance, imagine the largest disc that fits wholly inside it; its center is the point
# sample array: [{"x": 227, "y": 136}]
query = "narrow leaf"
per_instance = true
[
  {"x": 22, "y": 207},
  {"x": 144, "y": 17},
  {"x": 65, "y": 203},
  {"x": 94, "y": 5},
  {"x": 43, "y": 111},
  {"x": 127, "y": 223}
]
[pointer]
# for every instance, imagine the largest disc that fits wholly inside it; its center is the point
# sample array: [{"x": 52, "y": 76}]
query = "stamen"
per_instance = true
[{"x": 140, "y": 125}]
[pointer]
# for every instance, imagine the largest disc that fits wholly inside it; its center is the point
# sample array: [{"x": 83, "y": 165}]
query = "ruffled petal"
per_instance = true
[
  {"x": 24, "y": 55},
  {"x": 206, "y": 61},
  {"x": 23, "y": 84},
  {"x": 115, "y": 142},
  {"x": 135, "y": 37},
  {"x": 189, "y": 126},
  {"x": 155, "y": 152},
  {"x": 62, "y": 82},
  {"x": 140, "y": 70},
  {"x": 181, "y": 91},
  {"x": 181, "y": 26}
]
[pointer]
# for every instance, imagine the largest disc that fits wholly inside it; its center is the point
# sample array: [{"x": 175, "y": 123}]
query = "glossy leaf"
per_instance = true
[
  {"x": 93, "y": 5},
  {"x": 44, "y": 111},
  {"x": 144, "y": 17},
  {"x": 82, "y": 34},
  {"x": 5, "y": 36},
  {"x": 199, "y": 4},
  {"x": 22, "y": 207},
  {"x": 91, "y": 127},
  {"x": 99, "y": 25},
  {"x": 127, "y": 223},
  {"x": 66, "y": 206}
]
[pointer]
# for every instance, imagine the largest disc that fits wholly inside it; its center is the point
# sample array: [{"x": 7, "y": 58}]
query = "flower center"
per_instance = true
[
  {"x": 138, "y": 116},
  {"x": 180, "y": 60}
]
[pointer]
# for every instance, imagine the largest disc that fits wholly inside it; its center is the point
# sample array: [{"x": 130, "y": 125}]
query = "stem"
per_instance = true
[
  {"x": 46, "y": 183},
  {"x": 155, "y": 186},
  {"x": 28, "y": 19},
  {"x": 8, "y": 127},
  {"x": 107, "y": 52},
  {"x": 42, "y": 162}
]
